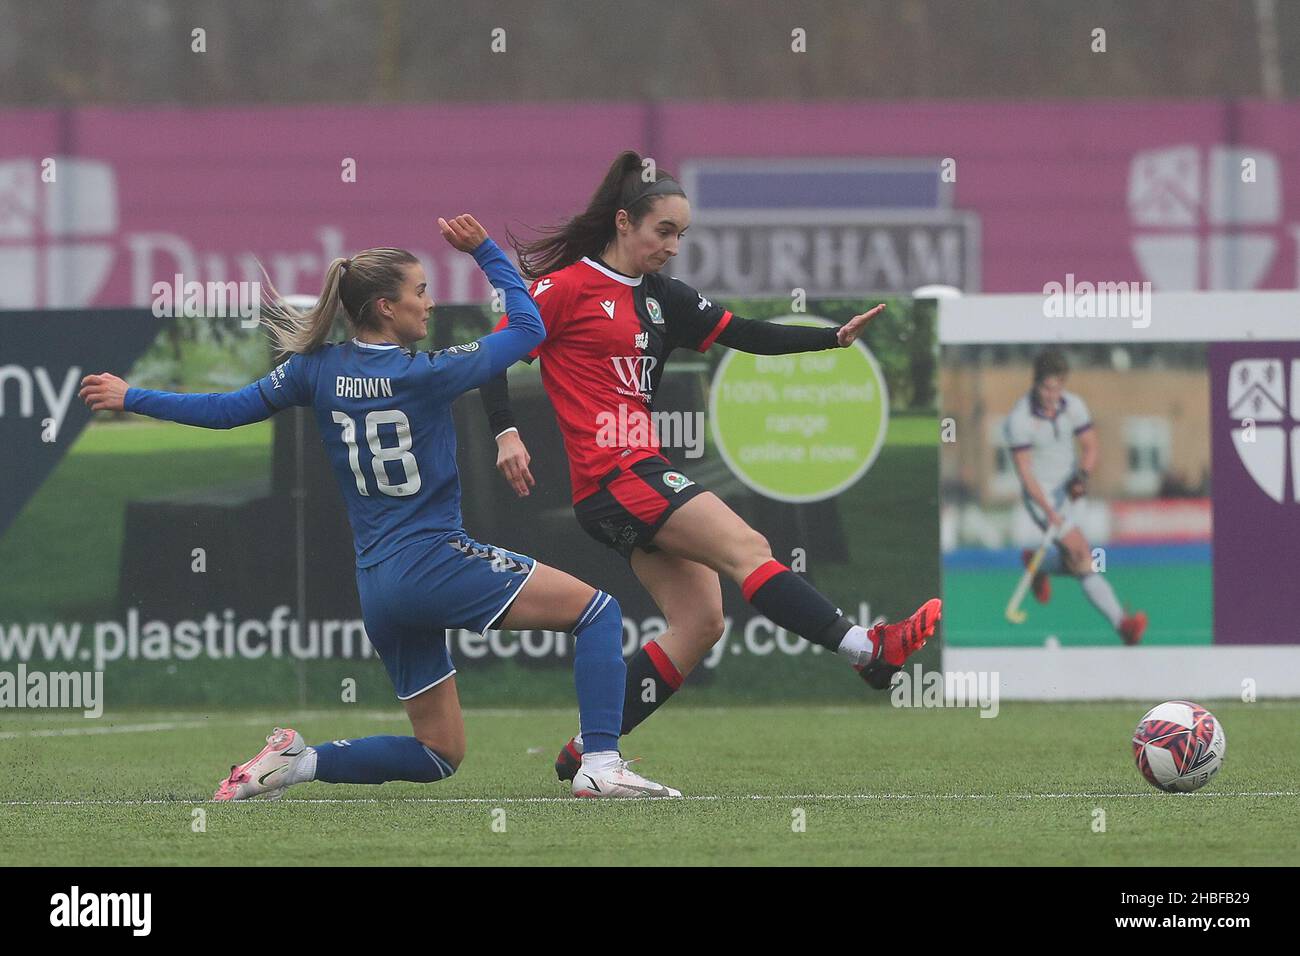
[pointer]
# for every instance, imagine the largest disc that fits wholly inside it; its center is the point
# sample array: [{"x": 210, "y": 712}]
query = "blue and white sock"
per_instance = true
[{"x": 599, "y": 673}]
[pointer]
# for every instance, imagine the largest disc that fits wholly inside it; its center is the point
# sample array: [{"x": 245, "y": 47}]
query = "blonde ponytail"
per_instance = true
[
  {"x": 351, "y": 284},
  {"x": 295, "y": 331}
]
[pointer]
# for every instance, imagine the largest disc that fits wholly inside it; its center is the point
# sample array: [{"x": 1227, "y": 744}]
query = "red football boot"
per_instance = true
[
  {"x": 1133, "y": 627},
  {"x": 569, "y": 760},
  {"x": 895, "y": 643}
]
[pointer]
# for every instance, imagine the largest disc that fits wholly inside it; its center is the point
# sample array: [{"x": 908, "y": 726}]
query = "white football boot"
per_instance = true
[
  {"x": 266, "y": 774},
  {"x": 607, "y": 775}
]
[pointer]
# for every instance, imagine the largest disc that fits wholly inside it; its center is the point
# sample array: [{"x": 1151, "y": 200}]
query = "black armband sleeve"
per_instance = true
[
  {"x": 770, "y": 338},
  {"x": 495, "y": 395}
]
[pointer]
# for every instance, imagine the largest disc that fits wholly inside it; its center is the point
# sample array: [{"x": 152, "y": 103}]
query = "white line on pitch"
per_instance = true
[
  {"x": 496, "y": 801},
  {"x": 99, "y": 727},
  {"x": 186, "y": 722}
]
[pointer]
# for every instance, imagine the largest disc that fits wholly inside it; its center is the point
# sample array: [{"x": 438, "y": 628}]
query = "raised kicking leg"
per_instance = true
[
  {"x": 704, "y": 538},
  {"x": 707, "y": 531}
]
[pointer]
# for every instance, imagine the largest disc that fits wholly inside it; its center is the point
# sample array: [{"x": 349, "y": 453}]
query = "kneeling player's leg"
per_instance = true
[
  {"x": 432, "y": 754},
  {"x": 557, "y": 601},
  {"x": 402, "y": 600},
  {"x": 437, "y": 722}
]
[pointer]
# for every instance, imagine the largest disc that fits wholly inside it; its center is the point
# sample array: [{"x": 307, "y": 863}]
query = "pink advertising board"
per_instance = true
[{"x": 841, "y": 197}]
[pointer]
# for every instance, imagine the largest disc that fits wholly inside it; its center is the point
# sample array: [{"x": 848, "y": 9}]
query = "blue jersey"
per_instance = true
[
  {"x": 384, "y": 413},
  {"x": 385, "y": 416}
]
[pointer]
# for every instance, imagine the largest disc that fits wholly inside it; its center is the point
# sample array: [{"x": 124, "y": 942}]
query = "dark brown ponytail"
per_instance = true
[{"x": 589, "y": 232}]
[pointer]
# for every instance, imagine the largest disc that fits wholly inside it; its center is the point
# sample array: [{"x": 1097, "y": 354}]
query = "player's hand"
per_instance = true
[
  {"x": 851, "y": 329},
  {"x": 512, "y": 461},
  {"x": 104, "y": 392},
  {"x": 1054, "y": 517},
  {"x": 1078, "y": 485},
  {"x": 463, "y": 232}
]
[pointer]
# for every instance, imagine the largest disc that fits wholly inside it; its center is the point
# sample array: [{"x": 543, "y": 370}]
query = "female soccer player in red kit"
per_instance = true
[{"x": 611, "y": 321}]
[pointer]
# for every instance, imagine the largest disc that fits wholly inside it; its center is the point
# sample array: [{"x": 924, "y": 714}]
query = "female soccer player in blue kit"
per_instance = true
[{"x": 385, "y": 416}]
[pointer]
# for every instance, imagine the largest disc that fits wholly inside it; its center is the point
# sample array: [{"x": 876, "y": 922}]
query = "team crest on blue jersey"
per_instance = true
[{"x": 656, "y": 313}]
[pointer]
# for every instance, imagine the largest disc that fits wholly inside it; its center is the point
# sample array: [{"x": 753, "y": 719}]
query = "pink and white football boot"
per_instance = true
[{"x": 267, "y": 774}]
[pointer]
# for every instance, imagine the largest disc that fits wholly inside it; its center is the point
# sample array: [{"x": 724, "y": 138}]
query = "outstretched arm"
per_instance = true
[
  {"x": 771, "y": 338},
  {"x": 107, "y": 392},
  {"x": 696, "y": 323}
]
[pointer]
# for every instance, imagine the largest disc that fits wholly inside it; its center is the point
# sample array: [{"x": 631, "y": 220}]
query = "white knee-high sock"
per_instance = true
[{"x": 1102, "y": 596}]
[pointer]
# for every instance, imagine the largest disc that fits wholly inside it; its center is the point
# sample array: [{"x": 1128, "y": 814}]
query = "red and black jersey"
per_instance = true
[{"x": 607, "y": 338}]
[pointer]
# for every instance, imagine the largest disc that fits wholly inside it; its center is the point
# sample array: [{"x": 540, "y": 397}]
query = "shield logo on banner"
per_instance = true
[{"x": 1257, "y": 402}]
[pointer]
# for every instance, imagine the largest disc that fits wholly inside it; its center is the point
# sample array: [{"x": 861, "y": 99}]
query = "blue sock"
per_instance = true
[
  {"x": 379, "y": 759},
  {"x": 599, "y": 673}
]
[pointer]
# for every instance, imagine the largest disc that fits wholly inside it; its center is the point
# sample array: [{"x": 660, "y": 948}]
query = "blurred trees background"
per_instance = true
[{"x": 74, "y": 52}]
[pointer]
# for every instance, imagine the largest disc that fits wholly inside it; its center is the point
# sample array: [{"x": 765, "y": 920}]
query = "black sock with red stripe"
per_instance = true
[
  {"x": 789, "y": 601},
  {"x": 651, "y": 679}
]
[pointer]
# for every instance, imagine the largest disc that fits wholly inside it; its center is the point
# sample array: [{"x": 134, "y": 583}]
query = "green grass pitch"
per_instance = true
[{"x": 876, "y": 785}]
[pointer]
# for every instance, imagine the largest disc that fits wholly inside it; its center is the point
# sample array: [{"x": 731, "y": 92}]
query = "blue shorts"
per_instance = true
[{"x": 410, "y": 599}]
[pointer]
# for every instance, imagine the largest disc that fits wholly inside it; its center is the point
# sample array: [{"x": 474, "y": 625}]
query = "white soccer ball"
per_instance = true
[{"x": 1179, "y": 746}]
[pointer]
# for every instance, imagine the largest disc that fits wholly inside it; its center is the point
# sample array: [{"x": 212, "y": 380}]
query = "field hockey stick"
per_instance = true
[{"x": 1013, "y": 613}]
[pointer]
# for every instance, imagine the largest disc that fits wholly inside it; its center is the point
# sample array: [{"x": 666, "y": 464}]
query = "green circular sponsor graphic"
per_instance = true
[{"x": 800, "y": 427}]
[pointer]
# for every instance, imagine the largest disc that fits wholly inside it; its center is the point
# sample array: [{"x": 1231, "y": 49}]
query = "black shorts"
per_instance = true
[{"x": 633, "y": 503}]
